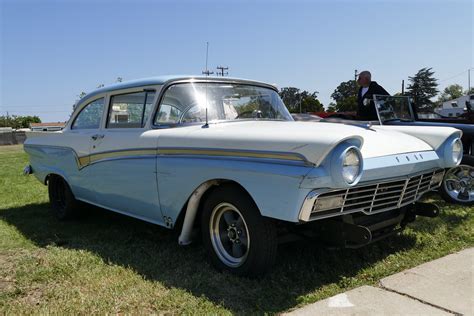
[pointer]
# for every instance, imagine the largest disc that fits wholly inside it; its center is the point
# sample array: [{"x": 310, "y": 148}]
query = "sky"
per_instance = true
[{"x": 51, "y": 51}]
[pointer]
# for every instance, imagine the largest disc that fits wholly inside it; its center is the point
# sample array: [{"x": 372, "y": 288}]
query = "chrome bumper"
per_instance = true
[{"x": 369, "y": 198}]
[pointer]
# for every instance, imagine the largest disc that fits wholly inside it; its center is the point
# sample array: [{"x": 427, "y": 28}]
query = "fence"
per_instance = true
[{"x": 11, "y": 137}]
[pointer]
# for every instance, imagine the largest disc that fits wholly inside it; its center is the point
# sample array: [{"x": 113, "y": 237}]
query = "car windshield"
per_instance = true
[
  {"x": 393, "y": 108},
  {"x": 189, "y": 102}
]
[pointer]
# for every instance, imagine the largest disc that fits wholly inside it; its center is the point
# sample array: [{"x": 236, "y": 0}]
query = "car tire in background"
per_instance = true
[
  {"x": 458, "y": 185},
  {"x": 63, "y": 203},
  {"x": 237, "y": 238}
]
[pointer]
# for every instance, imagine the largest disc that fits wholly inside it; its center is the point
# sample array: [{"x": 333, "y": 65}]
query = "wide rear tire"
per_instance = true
[
  {"x": 63, "y": 203},
  {"x": 237, "y": 238}
]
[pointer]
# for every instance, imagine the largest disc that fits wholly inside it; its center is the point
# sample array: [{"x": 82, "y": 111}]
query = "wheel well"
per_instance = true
[
  {"x": 48, "y": 177},
  {"x": 197, "y": 221}
]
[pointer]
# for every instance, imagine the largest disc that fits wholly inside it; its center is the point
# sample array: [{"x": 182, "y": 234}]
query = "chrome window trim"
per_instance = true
[{"x": 139, "y": 89}]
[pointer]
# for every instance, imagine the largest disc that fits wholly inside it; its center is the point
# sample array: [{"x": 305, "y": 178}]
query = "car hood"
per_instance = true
[
  {"x": 313, "y": 140},
  {"x": 467, "y": 128}
]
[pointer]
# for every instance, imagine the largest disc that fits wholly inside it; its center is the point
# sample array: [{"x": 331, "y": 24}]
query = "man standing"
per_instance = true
[{"x": 365, "y": 105}]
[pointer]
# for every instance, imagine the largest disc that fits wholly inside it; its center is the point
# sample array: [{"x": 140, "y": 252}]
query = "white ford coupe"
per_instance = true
[{"x": 224, "y": 157}]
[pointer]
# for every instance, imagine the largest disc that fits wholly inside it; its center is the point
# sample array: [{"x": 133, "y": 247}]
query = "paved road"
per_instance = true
[{"x": 440, "y": 287}]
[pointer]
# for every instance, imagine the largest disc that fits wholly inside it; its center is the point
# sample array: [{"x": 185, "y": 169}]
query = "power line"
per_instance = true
[{"x": 452, "y": 77}]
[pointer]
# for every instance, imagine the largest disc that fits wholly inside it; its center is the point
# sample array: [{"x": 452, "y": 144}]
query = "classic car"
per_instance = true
[
  {"x": 224, "y": 157},
  {"x": 458, "y": 183}
]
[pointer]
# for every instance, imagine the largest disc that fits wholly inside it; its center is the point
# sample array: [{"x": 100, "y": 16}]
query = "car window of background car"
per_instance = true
[
  {"x": 130, "y": 110},
  {"x": 186, "y": 103},
  {"x": 90, "y": 116}
]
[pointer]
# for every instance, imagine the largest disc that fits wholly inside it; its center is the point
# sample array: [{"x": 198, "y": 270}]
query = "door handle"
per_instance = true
[{"x": 97, "y": 136}]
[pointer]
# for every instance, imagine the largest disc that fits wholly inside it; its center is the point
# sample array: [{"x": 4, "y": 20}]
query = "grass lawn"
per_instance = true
[{"x": 109, "y": 263}]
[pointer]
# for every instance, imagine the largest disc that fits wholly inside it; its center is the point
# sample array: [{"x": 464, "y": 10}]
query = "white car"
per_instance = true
[{"x": 224, "y": 157}]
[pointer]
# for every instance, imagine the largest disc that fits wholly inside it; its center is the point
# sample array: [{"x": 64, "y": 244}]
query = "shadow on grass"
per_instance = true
[{"x": 153, "y": 252}]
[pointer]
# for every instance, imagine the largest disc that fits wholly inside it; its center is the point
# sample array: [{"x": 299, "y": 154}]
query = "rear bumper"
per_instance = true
[
  {"x": 27, "y": 170},
  {"x": 370, "y": 197}
]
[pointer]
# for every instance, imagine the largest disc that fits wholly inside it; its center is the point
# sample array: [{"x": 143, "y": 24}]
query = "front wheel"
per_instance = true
[
  {"x": 238, "y": 239},
  {"x": 458, "y": 185}
]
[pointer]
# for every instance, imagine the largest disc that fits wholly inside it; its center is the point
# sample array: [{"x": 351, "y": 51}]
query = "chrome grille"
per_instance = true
[{"x": 377, "y": 197}]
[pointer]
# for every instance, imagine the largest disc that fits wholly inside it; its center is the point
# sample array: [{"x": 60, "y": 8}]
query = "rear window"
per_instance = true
[
  {"x": 90, "y": 116},
  {"x": 130, "y": 110}
]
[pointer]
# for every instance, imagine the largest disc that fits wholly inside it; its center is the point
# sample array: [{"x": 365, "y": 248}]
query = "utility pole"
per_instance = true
[
  {"x": 221, "y": 70},
  {"x": 469, "y": 80},
  {"x": 403, "y": 87},
  {"x": 207, "y": 72}
]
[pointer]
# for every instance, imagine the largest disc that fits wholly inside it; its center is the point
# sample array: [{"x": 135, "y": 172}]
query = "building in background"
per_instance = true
[
  {"x": 47, "y": 127},
  {"x": 456, "y": 107}
]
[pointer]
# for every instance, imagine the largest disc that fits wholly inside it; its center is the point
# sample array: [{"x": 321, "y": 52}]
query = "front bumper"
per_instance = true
[{"x": 370, "y": 197}]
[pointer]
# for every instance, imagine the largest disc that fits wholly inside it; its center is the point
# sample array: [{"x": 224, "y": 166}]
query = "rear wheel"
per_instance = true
[
  {"x": 237, "y": 238},
  {"x": 458, "y": 185},
  {"x": 63, "y": 203}
]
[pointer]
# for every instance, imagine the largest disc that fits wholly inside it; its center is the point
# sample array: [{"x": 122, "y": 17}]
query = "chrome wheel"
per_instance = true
[
  {"x": 229, "y": 235},
  {"x": 458, "y": 183}
]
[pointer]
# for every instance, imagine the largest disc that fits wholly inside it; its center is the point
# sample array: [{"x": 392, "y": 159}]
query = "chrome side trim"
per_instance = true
[
  {"x": 87, "y": 160},
  {"x": 231, "y": 153}
]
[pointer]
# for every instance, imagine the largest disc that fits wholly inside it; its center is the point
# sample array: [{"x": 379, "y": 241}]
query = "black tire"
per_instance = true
[
  {"x": 446, "y": 190},
  {"x": 260, "y": 252},
  {"x": 63, "y": 203}
]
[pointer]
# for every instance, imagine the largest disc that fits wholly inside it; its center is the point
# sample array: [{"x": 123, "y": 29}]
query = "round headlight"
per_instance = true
[
  {"x": 457, "y": 151},
  {"x": 351, "y": 165}
]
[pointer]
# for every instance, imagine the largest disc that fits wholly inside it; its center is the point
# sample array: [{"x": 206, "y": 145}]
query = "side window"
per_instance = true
[
  {"x": 168, "y": 114},
  {"x": 130, "y": 110},
  {"x": 90, "y": 115}
]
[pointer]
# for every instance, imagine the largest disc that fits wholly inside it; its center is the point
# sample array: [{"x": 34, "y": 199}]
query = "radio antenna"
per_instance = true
[
  {"x": 207, "y": 123},
  {"x": 207, "y": 73}
]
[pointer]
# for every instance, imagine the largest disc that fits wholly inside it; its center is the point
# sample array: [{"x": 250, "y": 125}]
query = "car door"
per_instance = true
[
  {"x": 78, "y": 137},
  {"x": 123, "y": 157}
]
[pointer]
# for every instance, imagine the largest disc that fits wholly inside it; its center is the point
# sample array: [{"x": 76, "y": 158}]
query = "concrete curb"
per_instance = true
[{"x": 440, "y": 287}]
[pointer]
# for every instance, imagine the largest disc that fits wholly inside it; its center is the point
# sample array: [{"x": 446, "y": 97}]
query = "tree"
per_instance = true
[
  {"x": 310, "y": 103},
  {"x": 345, "y": 96},
  {"x": 17, "y": 121},
  {"x": 451, "y": 92},
  {"x": 422, "y": 88},
  {"x": 292, "y": 97},
  {"x": 469, "y": 92},
  {"x": 331, "y": 108}
]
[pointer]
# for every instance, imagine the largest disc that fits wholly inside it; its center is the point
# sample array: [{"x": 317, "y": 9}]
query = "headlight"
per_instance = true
[
  {"x": 346, "y": 165},
  {"x": 457, "y": 151},
  {"x": 351, "y": 165}
]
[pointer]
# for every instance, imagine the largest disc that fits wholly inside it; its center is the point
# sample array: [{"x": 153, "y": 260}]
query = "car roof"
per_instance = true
[{"x": 161, "y": 80}]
